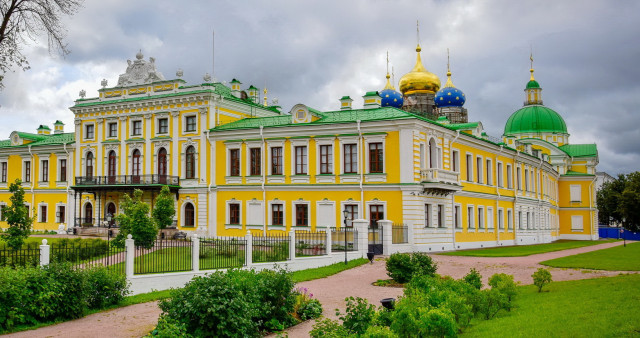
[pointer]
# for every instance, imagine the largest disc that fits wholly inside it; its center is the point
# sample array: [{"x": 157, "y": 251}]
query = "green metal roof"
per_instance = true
[
  {"x": 345, "y": 98},
  {"x": 31, "y": 136},
  {"x": 580, "y": 150},
  {"x": 458, "y": 126},
  {"x": 575, "y": 173},
  {"x": 42, "y": 140},
  {"x": 373, "y": 93},
  {"x": 535, "y": 119},
  {"x": 533, "y": 84},
  {"x": 42, "y": 126}
]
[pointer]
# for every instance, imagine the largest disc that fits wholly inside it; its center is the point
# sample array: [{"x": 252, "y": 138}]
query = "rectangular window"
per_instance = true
[
  {"x": 470, "y": 217},
  {"x": 27, "y": 171},
  {"x": 113, "y": 129},
  {"x": 326, "y": 159},
  {"x": 60, "y": 215},
  {"x": 469, "y": 168},
  {"x": 499, "y": 173},
  {"x": 45, "y": 170},
  {"x": 302, "y": 215},
  {"x": 136, "y": 128},
  {"x": 576, "y": 223},
  {"x": 440, "y": 216},
  {"x": 276, "y": 161},
  {"x": 375, "y": 157},
  {"x": 480, "y": 218},
  {"x": 500, "y": 219},
  {"x": 256, "y": 161},
  {"x": 490, "y": 218},
  {"x": 427, "y": 215},
  {"x": 455, "y": 159},
  {"x": 422, "y": 156},
  {"x": 519, "y": 178},
  {"x": 478, "y": 169},
  {"x": 350, "y": 159},
  {"x": 3, "y": 177},
  {"x": 520, "y": 224},
  {"x": 509, "y": 177},
  {"x": 277, "y": 214},
  {"x": 352, "y": 212},
  {"x": 526, "y": 179},
  {"x": 89, "y": 131},
  {"x": 234, "y": 162},
  {"x": 190, "y": 123},
  {"x": 575, "y": 192},
  {"x": 63, "y": 170},
  {"x": 528, "y": 220},
  {"x": 376, "y": 213},
  {"x": 301, "y": 160},
  {"x": 509, "y": 219},
  {"x": 43, "y": 214},
  {"x": 163, "y": 126},
  {"x": 488, "y": 169},
  {"x": 234, "y": 213},
  {"x": 456, "y": 217}
]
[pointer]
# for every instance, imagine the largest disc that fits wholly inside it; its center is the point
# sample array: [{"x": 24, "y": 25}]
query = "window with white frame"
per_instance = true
[
  {"x": 528, "y": 220},
  {"x": 440, "y": 216},
  {"x": 352, "y": 213},
  {"x": 3, "y": 174},
  {"x": 42, "y": 215},
  {"x": 276, "y": 161},
  {"x": 189, "y": 214},
  {"x": 27, "y": 171},
  {"x": 499, "y": 174},
  {"x": 163, "y": 125},
  {"x": 277, "y": 214},
  {"x": 478, "y": 169},
  {"x": 500, "y": 218},
  {"x": 234, "y": 162},
  {"x": 255, "y": 161},
  {"x": 234, "y": 213},
  {"x": 301, "y": 214},
  {"x": 376, "y": 158},
  {"x": 520, "y": 223},
  {"x": 44, "y": 170},
  {"x": 350, "y": 158},
  {"x": 61, "y": 214},
  {"x": 519, "y": 177},
  {"x": 136, "y": 128},
  {"x": 326, "y": 159},
  {"x": 575, "y": 192},
  {"x": 63, "y": 170},
  {"x": 490, "y": 224},
  {"x": 576, "y": 223},
  {"x": 480, "y": 217},
  {"x": 300, "y": 160},
  {"x": 469, "y": 163},
  {"x": 457, "y": 217},
  {"x": 89, "y": 131},
  {"x": 112, "y": 129},
  {"x": 455, "y": 161},
  {"x": 190, "y": 123},
  {"x": 470, "y": 217},
  {"x": 489, "y": 168},
  {"x": 428, "y": 216},
  {"x": 509, "y": 219},
  {"x": 526, "y": 179},
  {"x": 509, "y": 177},
  {"x": 255, "y": 213}
]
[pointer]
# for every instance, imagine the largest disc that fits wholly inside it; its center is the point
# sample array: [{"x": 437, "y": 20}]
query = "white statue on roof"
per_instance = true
[{"x": 140, "y": 72}]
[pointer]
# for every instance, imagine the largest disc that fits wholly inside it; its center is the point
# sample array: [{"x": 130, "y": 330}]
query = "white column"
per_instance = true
[
  {"x": 248, "y": 251},
  {"x": 327, "y": 232},
  {"x": 387, "y": 235},
  {"x": 292, "y": 244},
  {"x": 129, "y": 249},
  {"x": 195, "y": 253},
  {"x": 45, "y": 253},
  {"x": 361, "y": 226}
]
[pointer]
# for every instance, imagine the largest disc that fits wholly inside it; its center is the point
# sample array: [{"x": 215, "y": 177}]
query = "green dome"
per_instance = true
[
  {"x": 532, "y": 84},
  {"x": 535, "y": 119}
]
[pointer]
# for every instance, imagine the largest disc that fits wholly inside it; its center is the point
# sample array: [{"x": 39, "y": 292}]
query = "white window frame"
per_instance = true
[
  {"x": 232, "y": 146},
  {"x": 479, "y": 172},
  {"x": 293, "y": 213},
  {"x": 298, "y": 143},
  {"x": 454, "y": 162},
  {"x": 108, "y": 124},
  {"x": 58, "y": 171},
  {"x": 185, "y": 117},
  {"x": 159, "y": 117},
  {"x": 270, "y": 211},
  {"x": 481, "y": 217},
  {"x": 575, "y": 193},
  {"x": 368, "y": 205},
  {"x": 471, "y": 215},
  {"x": 490, "y": 219},
  {"x": 41, "y": 171},
  {"x": 509, "y": 176},
  {"x": 342, "y": 141},
  {"x": 250, "y": 145},
  {"x": 326, "y": 142},
  {"x": 489, "y": 171},
  {"x": 84, "y": 131},
  {"x": 132, "y": 123},
  {"x": 457, "y": 210},
  {"x": 375, "y": 139},
  {"x": 577, "y": 223},
  {"x": 428, "y": 215},
  {"x": 441, "y": 213},
  {"x": 470, "y": 166},
  {"x": 228, "y": 214},
  {"x": 509, "y": 219},
  {"x": 500, "y": 218},
  {"x": 499, "y": 174},
  {"x": 350, "y": 202},
  {"x": 24, "y": 176},
  {"x": 40, "y": 205},
  {"x": 195, "y": 213},
  {"x": 66, "y": 212}
]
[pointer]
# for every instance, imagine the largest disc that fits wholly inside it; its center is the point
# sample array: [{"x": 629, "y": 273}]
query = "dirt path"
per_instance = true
[{"x": 138, "y": 320}]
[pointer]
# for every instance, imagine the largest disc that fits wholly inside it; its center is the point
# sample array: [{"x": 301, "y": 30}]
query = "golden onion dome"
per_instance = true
[{"x": 419, "y": 79}]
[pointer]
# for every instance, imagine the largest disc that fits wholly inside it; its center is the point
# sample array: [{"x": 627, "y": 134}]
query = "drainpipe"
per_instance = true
[
  {"x": 498, "y": 197},
  {"x": 453, "y": 208},
  {"x": 361, "y": 164},
  {"x": 264, "y": 178}
]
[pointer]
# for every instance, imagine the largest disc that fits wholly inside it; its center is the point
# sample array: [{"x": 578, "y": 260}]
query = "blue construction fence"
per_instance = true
[{"x": 607, "y": 232}]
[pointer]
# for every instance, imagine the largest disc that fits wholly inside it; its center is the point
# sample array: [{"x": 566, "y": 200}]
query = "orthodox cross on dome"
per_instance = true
[{"x": 140, "y": 72}]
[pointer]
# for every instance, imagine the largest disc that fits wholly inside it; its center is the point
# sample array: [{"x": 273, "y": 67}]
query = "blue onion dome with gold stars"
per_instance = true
[
  {"x": 449, "y": 95},
  {"x": 390, "y": 97}
]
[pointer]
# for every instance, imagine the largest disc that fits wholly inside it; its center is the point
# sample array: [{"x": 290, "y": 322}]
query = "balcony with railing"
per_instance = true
[
  {"x": 440, "y": 181},
  {"x": 127, "y": 180}
]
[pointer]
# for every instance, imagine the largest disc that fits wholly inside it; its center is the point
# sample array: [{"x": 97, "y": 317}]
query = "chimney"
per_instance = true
[
  {"x": 235, "y": 88},
  {"x": 253, "y": 94},
  {"x": 44, "y": 130},
  {"x": 372, "y": 100},
  {"x": 58, "y": 127},
  {"x": 345, "y": 103}
]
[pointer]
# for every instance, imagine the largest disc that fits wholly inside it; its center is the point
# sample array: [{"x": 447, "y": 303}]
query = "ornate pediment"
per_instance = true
[{"x": 140, "y": 72}]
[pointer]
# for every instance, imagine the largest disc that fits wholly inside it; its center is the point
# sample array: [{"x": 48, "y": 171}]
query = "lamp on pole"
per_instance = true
[
  {"x": 345, "y": 213},
  {"x": 109, "y": 215}
]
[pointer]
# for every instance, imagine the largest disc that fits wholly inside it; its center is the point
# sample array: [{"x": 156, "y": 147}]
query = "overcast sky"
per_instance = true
[{"x": 586, "y": 57}]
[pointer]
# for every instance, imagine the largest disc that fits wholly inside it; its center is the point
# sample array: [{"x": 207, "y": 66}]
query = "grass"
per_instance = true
[
  {"x": 525, "y": 250},
  {"x": 619, "y": 258},
  {"x": 326, "y": 271},
  {"x": 602, "y": 307}
]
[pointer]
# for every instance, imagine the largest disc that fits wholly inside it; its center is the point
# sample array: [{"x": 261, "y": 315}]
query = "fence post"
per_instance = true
[
  {"x": 195, "y": 253},
  {"x": 292, "y": 245},
  {"x": 130, "y": 252},
  {"x": 327, "y": 232},
  {"x": 361, "y": 226},
  {"x": 387, "y": 235},
  {"x": 45, "y": 253},
  {"x": 248, "y": 251}
]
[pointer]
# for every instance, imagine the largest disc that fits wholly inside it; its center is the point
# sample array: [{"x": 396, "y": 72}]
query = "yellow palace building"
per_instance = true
[{"x": 237, "y": 164}]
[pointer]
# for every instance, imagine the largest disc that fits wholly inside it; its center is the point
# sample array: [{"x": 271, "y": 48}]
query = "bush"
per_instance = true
[
  {"x": 327, "y": 328},
  {"x": 105, "y": 287},
  {"x": 504, "y": 284},
  {"x": 167, "y": 328},
  {"x": 541, "y": 278},
  {"x": 401, "y": 267},
  {"x": 474, "y": 278},
  {"x": 235, "y": 303},
  {"x": 358, "y": 315},
  {"x": 376, "y": 331}
]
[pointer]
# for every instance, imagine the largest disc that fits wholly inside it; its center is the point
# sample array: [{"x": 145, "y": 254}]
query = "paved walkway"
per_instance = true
[{"x": 137, "y": 320}]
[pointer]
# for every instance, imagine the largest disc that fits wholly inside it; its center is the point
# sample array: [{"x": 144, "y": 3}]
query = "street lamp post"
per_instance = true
[
  {"x": 109, "y": 226},
  {"x": 345, "y": 213}
]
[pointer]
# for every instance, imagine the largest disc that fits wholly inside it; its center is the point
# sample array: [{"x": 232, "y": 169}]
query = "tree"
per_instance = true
[
  {"x": 135, "y": 220},
  {"x": 164, "y": 210},
  {"x": 608, "y": 199},
  {"x": 17, "y": 216},
  {"x": 23, "y": 20},
  {"x": 620, "y": 201}
]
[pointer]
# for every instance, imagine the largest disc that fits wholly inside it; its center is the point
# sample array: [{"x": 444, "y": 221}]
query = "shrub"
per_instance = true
[
  {"x": 305, "y": 306},
  {"x": 105, "y": 287},
  {"x": 375, "y": 331},
  {"x": 414, "y": 317},
  {"x": 402, "y": 266},
  {"x": 491, "y": 302},
  {"x": 358, "y": 315},
  {"x": 504, "y": 284},
  {"x": 541, "y": 278},
  {"x": 474, "y": 278},
  {"x": 327, "y": 328},
  {"x": 167, "y": 328}
]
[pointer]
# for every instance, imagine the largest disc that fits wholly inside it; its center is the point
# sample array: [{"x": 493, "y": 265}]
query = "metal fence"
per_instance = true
[
  {"x": 88, "y": 253},
  {"x": 270, "y": 248},
  {"x": 311, "y": 243},
  {"x": 164, "y": 256},
  {"x": 222, "y": 253},
  {"x": 344, "y": 238},
  {"x": 29, "y": 256},
  {"x": 399, "y": 234}
]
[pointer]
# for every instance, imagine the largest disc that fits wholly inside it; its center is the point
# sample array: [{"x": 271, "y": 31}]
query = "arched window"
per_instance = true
[
  {"x": 190, "y": 162},
  {"x": 89, "y": 165},
  {"x": 136, "y": 166},
  {"x": 433, "y": 154},
  {"x": 88, "y": 213},
  {"x": 189, "y": 215},
  {"x": 162, "y": 166},
  {"x": 111, "y": 211},
  {"x": 111, "y": 166}
]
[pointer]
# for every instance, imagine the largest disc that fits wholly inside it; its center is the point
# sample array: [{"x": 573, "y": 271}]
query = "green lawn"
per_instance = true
[
  {"x": 617, "y": 258},
  {"x": 525, "y": 250},
  {"x": 326, "y": 271},
  {"x": 602, "y": 307}
]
